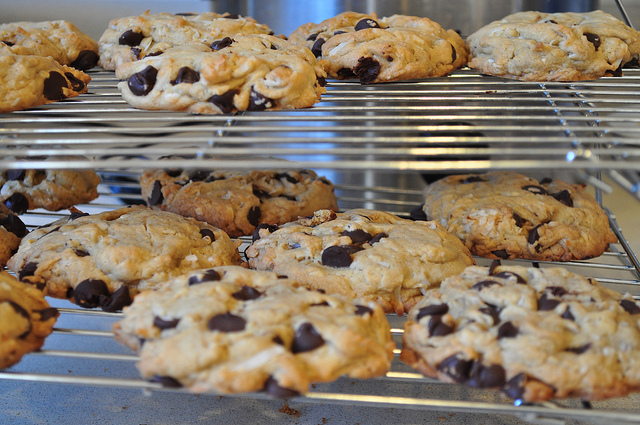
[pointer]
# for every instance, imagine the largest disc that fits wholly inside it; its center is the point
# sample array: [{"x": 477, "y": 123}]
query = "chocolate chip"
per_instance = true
[
  {"x": 437, "y": 328},
  {"x": 186, "y": 75},
  {"x": 165, "y": 324},
  {"x": 378, "y": 237},
  {"x": 563, "y": 196},
  {"x": 221, "y": 44},
  {"x": 323, "y": 83},
  {"x": 579, "y": 350},
  {"x": 199, "y": 175},
  {"x": 493, "y": 312},
  {"x": 567, "y": 315},
  {"x": 357, "y": 236},
  {"x": 54, "y": 85},
  {"x": 494, "y": 265},
  {"x": 156, "y": 194},
  {"x": 29, "y": 269},
  {"x": 86, "y": 59},
  {"x": 306, "y": 338},
  {"x": 507, "y": 275},
  {"x": 15, "y": 174},
  {"x": 456, "y": 368},
  {"x": 473, "y": 179},
  {"x": 48, "y": 313},
  {"x": 454, "y": 54},
  {"x": 593, "y": 39},
  {"x": 259, "y": 102},
  {"x": 224, "y": 101},
  {"x": 151, "y": 54},
  {"x": 277, "y": 340},
  {"x": 141, "y": 83},
  {"x": 418, "y": 214},
  {"x": 336, "y": 256},
  {"x": 87, "y": 293},
  {"x": 174, "y": 172},
  {"x": 501, "y": 253},
  {"x": 130, "y": 38},
  {"x": 247, "y": 293},
  {"x": 316, "y": 49},
  {"x": 208, "y": 233},
  {"x": 367, "y": 69},
  {"x": 80, "y": 253},
  {"x": 167, "y": 381},
  {"x": 136, "y": 52},
  {"x": 520, "y": 222},
  {"x": 533, "y": 234},
  {"x": 24, "y": 313},
  {"x": 515, "y": 386},
  {"x": 207, "y": 276},
  {"x": 14, "y": 225},
  {"x": 77, "y": 214},
  {"x": 312, "y": 37},
  {"x": 345, "y": 73},
  {"x": 537, "y": 190},
  {"x": 630, "y": 307},
  {"x": 76, "y": 84},
  {"x": 262, "y": 194},
  {"x": 116, "y": 301},
  {"x": 507, "y": 330},
  {"x": 366, "y": 23},
  {"x": 558, "y": 291},
  {"x": 484, "y": 284},
  {"x": 269, "y": 227},
  {"x": 490, "y": 376},
  {"x": 545, "y": 303},
  {"x": 274, "y": 389},
  {"x": 361, "y": 310},
  {"x": 432, "y": 310},
  {"x": 253, "y": 216},
  {"x": 226, "y": 322}
]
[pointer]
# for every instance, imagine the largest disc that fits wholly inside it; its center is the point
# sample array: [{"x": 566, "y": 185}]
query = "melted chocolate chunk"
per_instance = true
[
  {"x": 54, "y": 85},
  {"x": 345, "y": 74},
  {"x": 494, "y": 265},
  {"x": 288, "y": 177},
  {"x": 418, "y": 214},
  {"x": 437, "y": 328},
  {"x": 533, "y": 234},
  {"x": 224, "y": 101},
  {"x": 336, "y": 256},
  {"x": 579, "y": 350},
  {"x": 76, "y": 84},
  {"x": 593, "y": 39},
  {"x": 141, "y": 83},
  {"x": 558, "y": 291},
  {"x": 501, "y": 253},
  {"x": 186, "y": 75},
  {"x": 473, "y": 179},
  {"x": 269, "y": 227},
  {"x": 208, "y": 233},
  {"x": 366, "y": 23},
  {"x": 493, "y": 312},
  {"x": 378, "y": 237},
  {"x": 306, "y": 339},
  {"x": 277, "y": 340},
  {"x": 259, "y": 102},
  {"x": 226, "y": 322},
  {"x": 81, "y": 253},
  {"x": 312, "y": 37},
  {"x": 361, "y": 310},
  {"x": 536, "y": 190},
  {"x": 48, "y": 313},
  {"x": 156, "y": 194},
  {"x": 262, "y": 194},
  {"x": 167, "y": 381},
  {"x": 207, "y": 276},
  {"x": 507, "y": 330},
  {"x": 490, "y": 376},
  {"x": 323, "y": 83},
  {"x": 630, "y": 307},
  {"x": 29, "y": 269},
  {"x": 253, "y": 216},
  {"x": 367, "y": 69},
  {"x": 357, "y": 236},
  {"x": 454, "y": 54},
  {"x": 87, "y": 293},
  {"x": 157, "y": 53},
  {"x": 316, "y": 49},
  {"x": 117, "y": 301},
  {"x": 456, "y": 368},
  {"x": 484, "y": 284},
  {"x": 520, "y": 222},
  {"x": 567, "y": 315},
  {"x": 432, "y": 310},
  {"x": 274, "y": 389},
  {"x": 247, "y": 293},
  {"x": 14, "y": 225},
  {"x": 130, "y": 38},
  {"x": 515, "y": 386},
  {"x": 24, "y": 313},
  {"x": 545, "y": 303},
  {"x": 86, "y": 59},
  {"x": 15, "y": 174},
  {"x": 165, "y": 324},
  {"x": 507, "y": 275},
  {"x": 339, "y": 32},
  {"x": 563, "y": 196},
  {"x": 221, "y": 44}
]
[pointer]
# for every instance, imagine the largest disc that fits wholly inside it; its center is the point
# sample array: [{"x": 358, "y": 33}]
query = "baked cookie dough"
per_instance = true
[
  {"x": 237, "y": 201},
  {"x": 253, "y": 73},
  {"x": 399, "y": 47},
  {"x": 12, "y": 230},
  {"x": 534, "y": 333},
  {"x": 60, "y": 40},
  {"x": 28, "y": 80},
  {"x": 233, "y": 330},
  {"x": 26, "y": 319},
  {"x": 131, "y": 38},
  {"x": 535, "y": 46},
  {"x": 104, "y": 260},
  {"x": 51, "y": 189},
  {"x": 506, "y": 215},
  {"x": 366, "y": 254}
]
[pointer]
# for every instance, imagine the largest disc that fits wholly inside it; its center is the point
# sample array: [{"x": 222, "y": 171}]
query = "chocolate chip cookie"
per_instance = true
[
  {"x": 534, "y": 333},
  {"x": 104, "y": 260},
  {"x": 399, "y": 47},
  {"x": 237, "y": 201},
  {"x": 12, "y": 230},
  {"x": 60, "y": 40},
  {"x": 25, "y": 319},
  {"x": 29, "y": 80},
  {"x": 246, "y": 73},
  {"x": 506, "y": 215},
  {"x": 131, "y": 38},
  {"x": 537, "y": 46},
  {"x": 51, "y": 189},
  {"x": 233, "y": 330},
  {"x": 361, "y": 253}
]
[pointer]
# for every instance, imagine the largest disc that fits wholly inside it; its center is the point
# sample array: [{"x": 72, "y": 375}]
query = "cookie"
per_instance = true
[
  {"x": 252, "y": 73},
  {"x": 12, "y": 230},
  {"x": 60, "y": 40},
  {"x": 51, "y": 189},
  {"x": 233, "y": 330},
  {"x": 366, "y": 254},
  {"x": 131, "y": 38},
  {"x": 506, "y": 215},
  {"x": 28, "y": 80},
  {"x": 535, "y": 46},
  {"x": 104, "y": 260},
  {"x": 399, "y": 47},
  {"x": 534, "y": 333},
  {"x": 26, "y": 319},
  {"x": 236, "y": 201}
]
